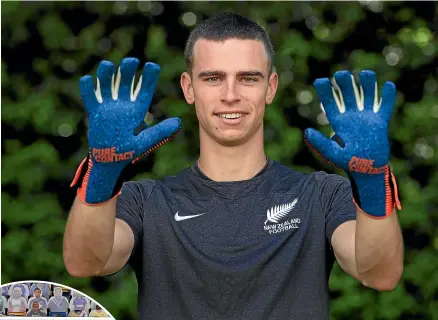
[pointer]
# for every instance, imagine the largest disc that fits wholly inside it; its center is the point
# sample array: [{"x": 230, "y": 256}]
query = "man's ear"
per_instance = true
[
  {"x": 272, "y": 87},
  {"x": 187, "y": 88}
]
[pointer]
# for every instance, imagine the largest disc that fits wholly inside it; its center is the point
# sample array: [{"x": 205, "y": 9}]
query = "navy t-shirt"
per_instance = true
[{"x": 253, "y": 249}]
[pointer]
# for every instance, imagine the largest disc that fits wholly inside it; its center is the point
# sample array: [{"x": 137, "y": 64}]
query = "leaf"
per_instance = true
[{"x": 279, "y": 212}]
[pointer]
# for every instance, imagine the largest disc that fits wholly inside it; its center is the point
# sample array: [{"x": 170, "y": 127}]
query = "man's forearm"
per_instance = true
[
  {"x": 89, "y": 237},
  {"x": 379, "y": 251}
]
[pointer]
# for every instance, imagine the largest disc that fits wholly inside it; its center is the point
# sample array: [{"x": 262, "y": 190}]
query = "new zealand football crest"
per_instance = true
[{"x": 278, "y": 219}]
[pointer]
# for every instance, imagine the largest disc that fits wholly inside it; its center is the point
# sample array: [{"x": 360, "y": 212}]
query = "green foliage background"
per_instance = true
[{"x": 47, "y": 47}]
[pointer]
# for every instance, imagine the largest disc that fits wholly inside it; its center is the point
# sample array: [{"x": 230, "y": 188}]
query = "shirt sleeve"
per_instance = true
[
  {"x": 336, "y": 200},
  {"x": 129, "y": 206}
]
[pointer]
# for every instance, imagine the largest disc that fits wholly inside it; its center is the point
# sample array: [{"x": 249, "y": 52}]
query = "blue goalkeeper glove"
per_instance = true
[
  {"x": 117, "y": 134},
  {"x": 360, "y": 145}
]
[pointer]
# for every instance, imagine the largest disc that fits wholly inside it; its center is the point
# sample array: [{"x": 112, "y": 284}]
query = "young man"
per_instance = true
[
  {"x": 42, "y": 301},
  {"x": 237, "y": 235},
  {"x": 35, "y": 310}
]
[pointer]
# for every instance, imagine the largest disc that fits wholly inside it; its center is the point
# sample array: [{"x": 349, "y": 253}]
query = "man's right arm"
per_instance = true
[{"x": 95, "y": 242}]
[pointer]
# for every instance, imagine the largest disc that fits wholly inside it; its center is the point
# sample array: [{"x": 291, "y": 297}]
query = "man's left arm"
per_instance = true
[{"x": 370, "y": 248}]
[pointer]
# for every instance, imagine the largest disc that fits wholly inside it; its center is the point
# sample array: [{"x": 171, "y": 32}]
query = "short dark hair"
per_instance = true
[{"x": 224, "y": 26}]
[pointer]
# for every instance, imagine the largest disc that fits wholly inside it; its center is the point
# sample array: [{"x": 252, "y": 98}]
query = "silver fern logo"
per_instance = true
[{"x": 277, "y": 213}]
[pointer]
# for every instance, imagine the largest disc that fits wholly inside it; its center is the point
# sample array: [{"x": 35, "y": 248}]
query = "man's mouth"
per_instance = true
[{"x": 230, "y": 115}]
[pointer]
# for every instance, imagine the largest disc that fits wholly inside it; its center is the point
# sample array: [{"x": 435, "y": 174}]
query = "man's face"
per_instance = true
[
  {"x": 16, "y": 293},
  {"x": 230, "y": 86},
  {"x": 58, "y": 292},
  {"x": 37, "y": 293}
]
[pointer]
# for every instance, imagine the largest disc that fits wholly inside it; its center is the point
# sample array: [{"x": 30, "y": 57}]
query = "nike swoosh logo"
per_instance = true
[{"x": 180, "y": 218}]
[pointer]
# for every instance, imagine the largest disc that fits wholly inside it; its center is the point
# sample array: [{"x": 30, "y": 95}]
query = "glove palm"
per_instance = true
[
  {"x": 118, "y": 135},
  {"x": 360, "y": 145}
]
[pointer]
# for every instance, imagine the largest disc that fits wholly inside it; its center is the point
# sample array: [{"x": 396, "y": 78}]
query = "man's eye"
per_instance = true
[
  {"x": 213, "y": 79},
  {"x": 249, "y": 79}
]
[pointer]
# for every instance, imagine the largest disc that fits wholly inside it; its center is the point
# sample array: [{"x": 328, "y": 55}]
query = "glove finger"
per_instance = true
[
  {"x": 389, "y": 94},
  {"x": 348, "y": 93},
  {"x": 128, "y": 68},
  {"x": 338, "y": 140},
  {"x": 326, "y": 148},
  {"x": 155, "y": 136},
  {"x": 324, "y": 89},
  {"x": 105, "y": 73},
  {"x": 88, "y": 96},
  {"x": 148, "y": 84},
  {"x": 368, "y": 85}
]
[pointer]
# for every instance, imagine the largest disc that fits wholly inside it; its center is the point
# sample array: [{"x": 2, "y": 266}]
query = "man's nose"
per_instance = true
[{"x": 230, "y": 92}]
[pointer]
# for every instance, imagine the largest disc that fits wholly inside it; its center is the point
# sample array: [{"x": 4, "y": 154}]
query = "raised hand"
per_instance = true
[
  {"x": 360, "y": 145},
  {"x": 118, "y": 135}
]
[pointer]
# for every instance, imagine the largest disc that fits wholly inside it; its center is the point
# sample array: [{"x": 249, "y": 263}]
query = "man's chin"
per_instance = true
[{"x": 231, "y": 140}]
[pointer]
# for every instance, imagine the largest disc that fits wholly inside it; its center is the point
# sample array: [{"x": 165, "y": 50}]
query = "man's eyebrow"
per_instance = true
[
  {"x": 217, "y": 73},
  {"x": 250, "y": 74},
  {"x": 212, "y": 73}
]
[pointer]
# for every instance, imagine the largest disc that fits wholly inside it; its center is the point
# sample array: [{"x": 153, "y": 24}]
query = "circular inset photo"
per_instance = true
[{"x": 43, "y": 299}]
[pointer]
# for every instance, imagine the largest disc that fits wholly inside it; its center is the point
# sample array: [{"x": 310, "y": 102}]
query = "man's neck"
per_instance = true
[{"x": 237, "y": 163}]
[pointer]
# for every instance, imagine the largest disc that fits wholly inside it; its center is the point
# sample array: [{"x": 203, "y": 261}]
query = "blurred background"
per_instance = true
[{"x": 48, "y": 46}]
